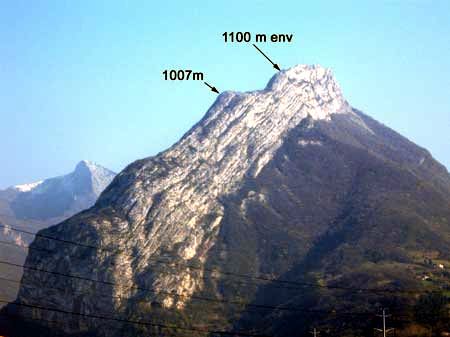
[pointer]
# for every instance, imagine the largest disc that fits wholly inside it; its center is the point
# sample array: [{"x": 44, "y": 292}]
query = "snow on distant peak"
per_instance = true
[
  {"x": 101, "y": 176},
  {"x": 92, "y": 166},
  {"x": 27, "y": 187},
  {"x": 86, "y": 164},
  {"x": 89, "y": 163}
]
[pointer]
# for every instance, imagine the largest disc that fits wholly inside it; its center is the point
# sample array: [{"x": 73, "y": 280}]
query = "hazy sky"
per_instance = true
[{"x": 80, "y": 80}]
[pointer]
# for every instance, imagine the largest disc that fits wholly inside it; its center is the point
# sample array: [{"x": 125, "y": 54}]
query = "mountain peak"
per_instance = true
[
  {"x": 301, "y": 73},
  {"x": 99, "y": 175},
  {"x": 259, "y": 119},
  {"x": 62, "y": 195},
  {"x": 254, "y": 122},
  {"x": 301, "y": 87},
  {"x": 86, "y": 164}
]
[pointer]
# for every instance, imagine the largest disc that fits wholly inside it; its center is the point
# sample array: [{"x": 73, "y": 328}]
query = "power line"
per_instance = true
[
  {"x": 64, "y": 290},
  {"x": 137, "y": 322},
  {"x": 298, "y": 284},
  {"x": 18, "y": 317},
  {"x": 157, "y": 261},
  {"x": 11, "y": 316},
  {"x": 48, "y": 237},
  {"x": 46, "y": 320},
  {"x": 27, "y": 247},
  {"x": 203, "y": 277},
  {"x": 150, "y": 290},
  {"x": 201, "y": 298},
  {"x": 315, "y": 331},
  {"x": 208, "y": 299},
  {"x": 27, "y": 285}
]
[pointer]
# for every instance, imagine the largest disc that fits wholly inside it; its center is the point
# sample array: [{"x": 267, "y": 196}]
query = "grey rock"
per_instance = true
[{"x": 278, "y": 181}]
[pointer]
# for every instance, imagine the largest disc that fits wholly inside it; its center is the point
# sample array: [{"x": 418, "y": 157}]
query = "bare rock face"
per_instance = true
[
  {"x": 192, "y": 203},
  {"x": 173, "y": 201}
]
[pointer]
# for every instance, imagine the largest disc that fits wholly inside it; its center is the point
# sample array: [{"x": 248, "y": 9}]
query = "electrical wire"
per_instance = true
[
  {"x": 194, "y": 297},
  {"x": 137, "y": 322},
  {"x": 292, "y": 284}
]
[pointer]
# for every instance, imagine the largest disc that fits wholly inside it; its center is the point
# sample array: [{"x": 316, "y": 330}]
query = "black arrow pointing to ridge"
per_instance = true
[
  {"x": 274, "y": 64},
  {"x": 213, "y": 89}
]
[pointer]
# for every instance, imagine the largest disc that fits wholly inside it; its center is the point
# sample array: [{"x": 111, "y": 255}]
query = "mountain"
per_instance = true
[
  {"x": 38, "y": 205},
  {"x": 61, "y": 196},
  {"x": 282, "y": 209}
]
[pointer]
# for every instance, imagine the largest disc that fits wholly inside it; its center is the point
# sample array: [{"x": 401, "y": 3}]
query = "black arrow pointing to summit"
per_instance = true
[
  {"x": 213, "y": 89},
  {"x": 274, "y": 64}
]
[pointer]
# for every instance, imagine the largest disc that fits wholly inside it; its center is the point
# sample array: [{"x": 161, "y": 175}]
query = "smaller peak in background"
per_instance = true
[
  {"x": 93, "y": 168},
  {"x": 100, "y": 175},
  {"x": 87, "y": 164}
]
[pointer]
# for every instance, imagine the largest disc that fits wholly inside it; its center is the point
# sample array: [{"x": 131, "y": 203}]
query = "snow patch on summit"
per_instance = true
[{"x": 27, "y": 187}]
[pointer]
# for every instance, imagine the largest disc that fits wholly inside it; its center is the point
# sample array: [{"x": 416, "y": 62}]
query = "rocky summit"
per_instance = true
[{"x": 280, "y": 209}]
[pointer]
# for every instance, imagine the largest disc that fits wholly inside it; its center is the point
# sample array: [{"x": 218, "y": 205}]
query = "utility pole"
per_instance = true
[
  {"x": 384, "y": 330},
  {"x": 314, "y": 332}
]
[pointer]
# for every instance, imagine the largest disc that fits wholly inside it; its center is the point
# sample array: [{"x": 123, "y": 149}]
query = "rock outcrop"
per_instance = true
[{"x": 289, "y": 181}]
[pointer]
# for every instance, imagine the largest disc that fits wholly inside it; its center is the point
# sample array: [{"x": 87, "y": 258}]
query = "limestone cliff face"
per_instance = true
[
  {"x": 172, "y": 201},
  {"x": 226, "y": 186}
]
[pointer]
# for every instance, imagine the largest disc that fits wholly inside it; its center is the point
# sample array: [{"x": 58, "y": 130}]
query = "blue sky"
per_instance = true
[{"x": 83, "y": 80}]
